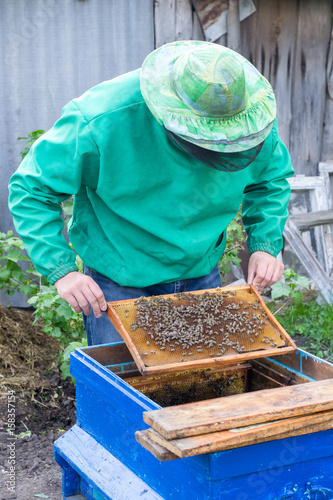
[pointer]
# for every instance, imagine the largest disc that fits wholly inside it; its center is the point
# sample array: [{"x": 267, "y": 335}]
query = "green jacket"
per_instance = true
[{"x": 144, "y": 212}]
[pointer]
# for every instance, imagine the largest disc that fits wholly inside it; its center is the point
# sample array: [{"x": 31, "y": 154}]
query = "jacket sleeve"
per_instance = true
[
  {"x": 264, "y": 204},
  {"x": 51, "y": 172}
]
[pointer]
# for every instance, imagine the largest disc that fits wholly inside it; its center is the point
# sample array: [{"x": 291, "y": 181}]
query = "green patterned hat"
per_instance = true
[{"x": 208, "y": 95}]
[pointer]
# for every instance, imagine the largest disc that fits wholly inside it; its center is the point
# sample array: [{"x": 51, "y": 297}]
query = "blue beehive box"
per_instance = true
[{"x": 101, "y": 458}]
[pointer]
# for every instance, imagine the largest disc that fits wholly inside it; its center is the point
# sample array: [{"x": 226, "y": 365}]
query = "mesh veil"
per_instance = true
[{"x": 225, "y": 162}]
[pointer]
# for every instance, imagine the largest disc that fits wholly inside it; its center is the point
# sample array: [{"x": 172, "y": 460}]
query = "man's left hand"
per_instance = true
[{"x": 264, "y": 270}]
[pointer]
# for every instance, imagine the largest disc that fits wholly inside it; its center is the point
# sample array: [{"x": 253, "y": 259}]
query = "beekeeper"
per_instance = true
[{"x": 159, "y": 161}]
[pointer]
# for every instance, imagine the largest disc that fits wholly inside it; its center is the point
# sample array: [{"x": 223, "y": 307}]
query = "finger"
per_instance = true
[
  {"x": 260, "y": 278},
  {"x": 83, "y": 301},
  {"x": 73, "y": 303},
  {"x": 266, "y": 280},
  {"x": 277, "y": 274},
  {"x": 97, "y": 292},
  {"x": 251, "y": 272},
  {"x": 93, "y": 301}
]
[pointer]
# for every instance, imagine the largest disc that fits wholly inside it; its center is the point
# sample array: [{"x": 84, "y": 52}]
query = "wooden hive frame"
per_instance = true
[{"x": 225, "y": 360}]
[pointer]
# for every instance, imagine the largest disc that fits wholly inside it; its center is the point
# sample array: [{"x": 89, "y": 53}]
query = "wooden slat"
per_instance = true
[
  {"x": 259, "y": 381},
  {"x": 316, "y": 368},
  {"x": 179, "y": 25},
  {"x": 315, "y": 270},
  {"x": 233, "y": 26},
  {"x": 109, "y": 354},
  {"x": 305, "y": 110},
  {"x": 327, "y": 149},
  {"x": 312, "y": 219},
  {"x": 156, "y": 449},
  {"x": 223, "y": 413},
  {"x": 238, "y": 437},
  {"x": 269, "y": 42},
  {"x": 279, "y": 372},
  {"x": 306, "y": 364}
]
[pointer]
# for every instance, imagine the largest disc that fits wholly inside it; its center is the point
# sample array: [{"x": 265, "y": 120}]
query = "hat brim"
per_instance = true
[{"x": 236, "y": 133}]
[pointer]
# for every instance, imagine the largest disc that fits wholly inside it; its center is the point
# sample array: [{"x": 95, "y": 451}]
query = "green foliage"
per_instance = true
[
  {"x": 235, "y": 242},
  {"x": 291, "y": 287},
  {"x": 303, "y": 317},
  {"x": 66, "y": 356},
  {"x": 13, "y": 278},
  {"x": 59, "y": 318},
  {"x": 32, "y": 137},
  {"x": 55, "y": 314}
]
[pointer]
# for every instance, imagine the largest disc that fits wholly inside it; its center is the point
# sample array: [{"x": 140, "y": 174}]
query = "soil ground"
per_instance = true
[{"x": 44, "y": 408}]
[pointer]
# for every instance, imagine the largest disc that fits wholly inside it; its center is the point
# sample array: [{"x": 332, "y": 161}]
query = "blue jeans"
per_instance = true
[{"x": 101, "y": 330}]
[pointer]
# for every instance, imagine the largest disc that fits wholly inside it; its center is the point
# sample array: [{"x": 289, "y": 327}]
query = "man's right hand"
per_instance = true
[{"x": 79, "y": 291}]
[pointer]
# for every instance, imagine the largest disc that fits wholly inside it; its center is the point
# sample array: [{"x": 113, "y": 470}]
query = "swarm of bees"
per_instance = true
[{"x": 197, "y": 323}]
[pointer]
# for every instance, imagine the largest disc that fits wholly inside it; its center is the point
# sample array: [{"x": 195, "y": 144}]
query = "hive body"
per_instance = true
[{"x": 102, "y": 460}]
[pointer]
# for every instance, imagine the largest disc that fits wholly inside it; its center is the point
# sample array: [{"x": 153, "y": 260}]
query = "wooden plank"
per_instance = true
[
  {"x": 279, "y": 372},
  {"x": 185, "y": 375},
  {"x": 233, "y": 26},
  {"x": 291, "y": 360},
  {"x": 308, "y": 194},
  {"x": 311, "y": 219},
  {"x": 156, "y": 449},
  {"x": 245, "y": 436},
  {"x": 327, "y": 149},
  {"x": 109, "y": 355},
  {"x": 316, "y": 368},
  {"x": 268, "y": 40},
  {"x": 173, "y": 21},
  {"x": 94, "y": 462},
  {"x": 315, "y": 270},
  {"x": 326, "y": 171},
  {"x": 309, "y": 85},
  {"x": 224, "y": 413},
  {"x": 223, "y": 361},
  {"x": 258, "y": 381}
]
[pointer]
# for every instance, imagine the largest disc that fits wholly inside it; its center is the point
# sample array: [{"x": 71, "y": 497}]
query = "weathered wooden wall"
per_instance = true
[{"x": 288, "y": 41}]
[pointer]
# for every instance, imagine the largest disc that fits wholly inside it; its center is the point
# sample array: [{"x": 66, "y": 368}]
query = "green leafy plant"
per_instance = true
[
  {"x": 65, "y": 366},
  {"x": 235, "y": 242},
  {"x": 13, "y": 277},
  {"x": 58, "y": 319},
  {"x": 292, "y": 287},
  {"x": 303, "y": 317},
  {"x": 32, "y": 137}
]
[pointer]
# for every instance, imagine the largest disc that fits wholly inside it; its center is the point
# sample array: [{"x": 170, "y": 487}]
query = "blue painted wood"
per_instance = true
[
  {"x": 99, "y": 469},
  {"x": 116, "y": 432},
  {"x": 265, "y": 456},
  {"x": 109, "y": 411},
  {"x": 70, "y": 478}
]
